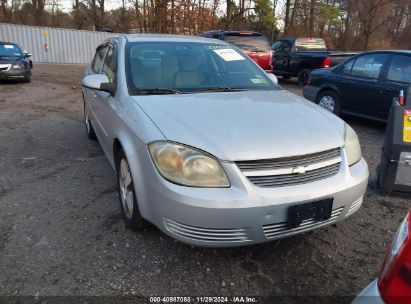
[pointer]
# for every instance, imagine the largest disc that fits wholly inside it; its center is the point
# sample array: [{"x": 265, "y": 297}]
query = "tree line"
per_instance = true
[{"x": 344, "y": 24}]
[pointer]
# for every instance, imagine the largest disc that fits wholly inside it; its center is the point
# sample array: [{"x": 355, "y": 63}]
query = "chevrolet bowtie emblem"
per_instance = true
[{"x": 299, "y": 170}]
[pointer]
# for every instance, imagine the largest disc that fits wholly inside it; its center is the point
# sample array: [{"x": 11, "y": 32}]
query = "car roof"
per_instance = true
[
  {"x": 406, "y": 52},
  {"x": 5, "y": 42},
  {"x": 169, "y": 38}
]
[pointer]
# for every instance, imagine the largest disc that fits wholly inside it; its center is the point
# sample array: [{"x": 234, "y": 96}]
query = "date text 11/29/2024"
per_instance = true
[{"x": 204, "y": 299}]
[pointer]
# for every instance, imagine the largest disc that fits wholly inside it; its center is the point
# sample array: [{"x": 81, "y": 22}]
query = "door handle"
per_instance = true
[
  {"x": 388, "y": 90},
  {"x": 94, "y": 94}
]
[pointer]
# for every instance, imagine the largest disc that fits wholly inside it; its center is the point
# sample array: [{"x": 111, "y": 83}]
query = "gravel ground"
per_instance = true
[{"x": 61, "y": 231}]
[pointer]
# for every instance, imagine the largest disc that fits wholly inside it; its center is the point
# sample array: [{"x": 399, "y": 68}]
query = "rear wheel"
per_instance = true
[
  {"x": 303, "y": 77},
  {"x": 330, "y": 101},
  {"x": 128, "y": 201}
]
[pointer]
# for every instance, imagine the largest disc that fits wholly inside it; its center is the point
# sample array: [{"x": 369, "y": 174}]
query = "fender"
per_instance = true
[{"x": 326, "y": 86}]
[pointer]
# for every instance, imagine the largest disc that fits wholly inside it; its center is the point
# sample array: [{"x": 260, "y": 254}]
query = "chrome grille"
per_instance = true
[
  {"x": 292, "y": 170},
  {"x": 281, "y": 229},
  {"x": 5, "y": 67},
  {"x": 206, "y": 234}
]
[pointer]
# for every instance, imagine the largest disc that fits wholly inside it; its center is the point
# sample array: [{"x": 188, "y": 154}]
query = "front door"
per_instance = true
[
  {"x": 281, "y": 56},
  {"x": 361, "y": 87}
]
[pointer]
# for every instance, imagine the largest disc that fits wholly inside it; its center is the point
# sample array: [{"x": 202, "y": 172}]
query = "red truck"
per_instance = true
[{"x": 253, "y": 44}]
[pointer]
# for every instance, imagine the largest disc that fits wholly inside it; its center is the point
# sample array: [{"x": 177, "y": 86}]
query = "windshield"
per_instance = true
[
  {"x": 9, "y": 50},
  {"x": 249, "y": 43},
  {"x": 309, "y": 44},
  {"x": 188, "y": 67}
]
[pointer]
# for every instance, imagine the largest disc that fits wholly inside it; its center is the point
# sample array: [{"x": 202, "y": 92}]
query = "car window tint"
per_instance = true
[
  {"x": 368, "y": 66},
  {"x": 309, "y": 44},
  {"x": 98, "y": 59},
  {"x": 253, "y": 43},
  {"x": 276, "y": 46},
  {"x": 400, "y": 69},
  {"x": 346, "y": 68},
  {"x": 281, "y": 46},
  {"x": 109, "y": 65},
  {"x": 7, "y": 49}
]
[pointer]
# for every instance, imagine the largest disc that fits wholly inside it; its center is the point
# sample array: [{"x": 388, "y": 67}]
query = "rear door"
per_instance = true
[
  {"x": 361, "y": 88},
  {"x": 397, "y": 77}
]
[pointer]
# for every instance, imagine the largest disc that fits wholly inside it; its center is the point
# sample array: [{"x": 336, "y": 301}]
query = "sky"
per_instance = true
[{"x": 66, "y": 5}]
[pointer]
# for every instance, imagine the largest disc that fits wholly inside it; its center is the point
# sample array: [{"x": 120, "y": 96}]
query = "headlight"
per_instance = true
[
  {"x": 19, "y": 66},
  {"x": 187, "y": 166},
  {"x": 352, "y": 146}
]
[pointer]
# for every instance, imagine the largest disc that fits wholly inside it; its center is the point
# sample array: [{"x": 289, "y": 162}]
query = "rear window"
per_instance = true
[
  {"x": 248, "y": 42},
  {"x": 309, "y": 44}
]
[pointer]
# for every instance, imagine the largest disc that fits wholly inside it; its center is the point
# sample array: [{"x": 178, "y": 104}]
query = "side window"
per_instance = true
[
  {"x": 346, "y": 68},
  {"x": 285, "y": 47},
  {"x": 98, "y": 59},
  {"x": 276, "y": 46},
  {"x": 369, "y": 66},
  {"x": 109, "y": 65},
  {"x": 400, "y": 69}
]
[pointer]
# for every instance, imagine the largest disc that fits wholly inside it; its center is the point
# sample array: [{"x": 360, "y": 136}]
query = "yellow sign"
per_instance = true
[
  {"x": 407, "y": 127},
  {"x": 45, "y": 33}
]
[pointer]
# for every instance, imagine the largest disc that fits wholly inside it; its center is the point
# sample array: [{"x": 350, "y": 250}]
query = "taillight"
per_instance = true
[
  {"x": 394, "y": 281},
  {"x": 401, "y": 100},
  {"x": 270, "y": 62},
  {"x": 326, "y": 62}
]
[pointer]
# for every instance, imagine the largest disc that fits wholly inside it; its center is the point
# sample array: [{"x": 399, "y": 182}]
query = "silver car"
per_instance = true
[{"x": 210, "y": 149}]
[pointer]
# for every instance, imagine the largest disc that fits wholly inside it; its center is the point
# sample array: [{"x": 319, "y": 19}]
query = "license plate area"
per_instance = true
[{"x": 318, "y": 210}]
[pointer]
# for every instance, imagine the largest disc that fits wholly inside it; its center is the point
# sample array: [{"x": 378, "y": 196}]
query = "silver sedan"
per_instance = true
[{"x": 208, "y": 148}]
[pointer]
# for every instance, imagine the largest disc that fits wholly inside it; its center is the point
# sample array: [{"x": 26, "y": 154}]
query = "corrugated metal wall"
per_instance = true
[{"x": 64, "y": 45}]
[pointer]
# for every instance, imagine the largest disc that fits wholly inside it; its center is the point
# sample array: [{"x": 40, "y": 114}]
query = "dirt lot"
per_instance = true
[{"x": 61, "y": 231}]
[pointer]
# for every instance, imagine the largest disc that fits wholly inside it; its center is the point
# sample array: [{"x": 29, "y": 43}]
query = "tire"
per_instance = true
[
  {"x": 27, "y": 77},
  {"x": 127, "y": 196},
  {"x": 303, "y": 77},
  {"x": 330, "y": 101},
  {"x": 89, "y": 127}
]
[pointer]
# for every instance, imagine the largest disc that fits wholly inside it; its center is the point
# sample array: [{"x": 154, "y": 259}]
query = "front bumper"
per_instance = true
[
  {"x": 13, "y": 73},
  {"x": 369, "y": 295},
  {"x": 244, "y": 213},
  {"x": 310, "y": 92}
]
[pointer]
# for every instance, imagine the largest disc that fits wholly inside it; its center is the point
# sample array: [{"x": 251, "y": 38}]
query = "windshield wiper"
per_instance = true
[
  {"x": 219, "y": 89},
  {"x": 156, "y": 91}
]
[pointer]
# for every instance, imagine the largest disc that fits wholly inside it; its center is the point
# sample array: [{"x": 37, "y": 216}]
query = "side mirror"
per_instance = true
[
  {"x": 98, "y": 82},
  {"x": 273, "y": 78},
  {"x": 27, "y": 55}
]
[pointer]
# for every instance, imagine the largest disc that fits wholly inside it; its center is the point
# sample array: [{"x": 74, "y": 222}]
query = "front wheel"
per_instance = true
[
  {"x": 303, "y": 77},
  {"x": 27, "y": 77},
  {"x": 330, "y": 101},
  {"x": 128, "y": 201},
  {"x": 89, "y": 127}
]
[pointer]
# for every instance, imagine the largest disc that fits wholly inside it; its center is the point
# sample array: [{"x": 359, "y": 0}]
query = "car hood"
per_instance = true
[
  {"x": 245, "y": 125},
  {"x": 7, "y": 59}
]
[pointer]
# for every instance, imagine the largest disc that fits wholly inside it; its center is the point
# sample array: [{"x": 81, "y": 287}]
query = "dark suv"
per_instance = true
[
  {"x": 14, "y": 62},
  {"x": 366, "y": 85},
  {"x": 254, "y": 44}
]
